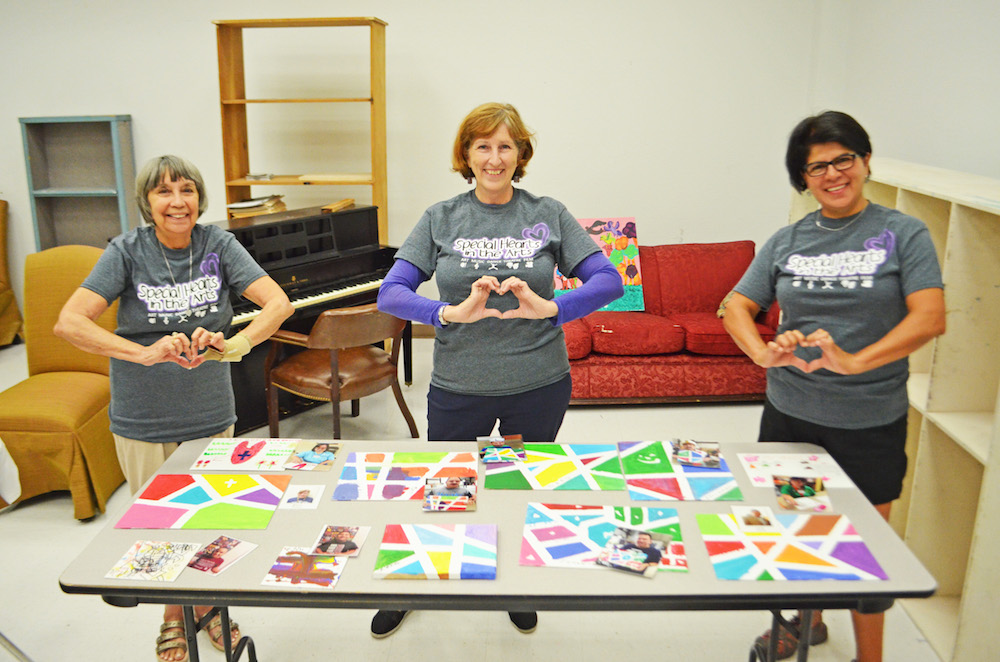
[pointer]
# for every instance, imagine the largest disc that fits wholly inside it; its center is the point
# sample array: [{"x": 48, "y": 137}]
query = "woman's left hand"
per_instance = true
[
  {"x": 530, "y": 305},
  {"x": 834, "y": 358},
  {"x": 201, "y": 339}
]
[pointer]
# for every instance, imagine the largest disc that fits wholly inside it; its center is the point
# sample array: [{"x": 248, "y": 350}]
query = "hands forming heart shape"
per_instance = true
[
  {"x": 185, "y": 352},
  {"x": 781, "y": 352},
  {"x": 473, "y": 309}
]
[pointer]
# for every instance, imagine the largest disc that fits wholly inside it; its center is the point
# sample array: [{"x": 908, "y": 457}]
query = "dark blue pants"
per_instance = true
[
  {"x": 874, "y": 458},
  {"x": 536, "y": 415}
]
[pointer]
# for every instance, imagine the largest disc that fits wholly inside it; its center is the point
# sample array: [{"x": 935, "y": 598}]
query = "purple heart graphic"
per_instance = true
[
  {"x": 539, "y": 232},
  {"x": 210, "y": 266},
  {"x": 885, "y": 241}
]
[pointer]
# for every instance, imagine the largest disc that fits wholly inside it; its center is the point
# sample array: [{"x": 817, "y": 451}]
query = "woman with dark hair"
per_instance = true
[
  {"x": 170, "y": 381},
  {"x": 860, "y": 289},
  {"x": 499, "y": 352}
]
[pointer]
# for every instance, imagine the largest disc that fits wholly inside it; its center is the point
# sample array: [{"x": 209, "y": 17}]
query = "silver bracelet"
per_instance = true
[{"x": 441, "y": 315}]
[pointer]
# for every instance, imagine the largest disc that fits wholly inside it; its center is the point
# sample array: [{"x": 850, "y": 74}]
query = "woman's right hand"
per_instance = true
[
  {"x": 175, "y": 348},
  {"x": 781, "y": 351},
  {"x": 474, "y": 307}
]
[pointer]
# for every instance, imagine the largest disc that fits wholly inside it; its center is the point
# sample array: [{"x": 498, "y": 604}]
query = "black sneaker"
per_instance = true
[
  {"x": 386, "y": 622},
  {"x": 524, "y": 621}
]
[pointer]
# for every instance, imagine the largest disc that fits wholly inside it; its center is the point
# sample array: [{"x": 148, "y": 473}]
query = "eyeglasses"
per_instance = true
[{"x": 818, "y": 168}]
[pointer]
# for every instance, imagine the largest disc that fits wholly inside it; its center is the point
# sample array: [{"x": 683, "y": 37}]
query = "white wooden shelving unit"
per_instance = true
[{"x": 949, "y": 514}]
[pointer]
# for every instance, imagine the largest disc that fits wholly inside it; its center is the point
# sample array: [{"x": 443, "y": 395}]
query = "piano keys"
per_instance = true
[
  {"x": 322, "y": 260},
  {"x": 324, "y": 295}
]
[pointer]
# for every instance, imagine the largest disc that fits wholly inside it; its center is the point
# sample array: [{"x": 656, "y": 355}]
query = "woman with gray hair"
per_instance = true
[{"x": 169, "y": 378}]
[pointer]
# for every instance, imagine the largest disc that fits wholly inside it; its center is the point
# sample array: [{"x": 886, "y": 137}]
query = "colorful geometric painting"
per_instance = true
[
  {"x": 245, "y": 455},
  {"x": 761, "y": 467},
  {"x": 617, "y": 238},
  {"x": 802, "y": 547},
  {"x": 653, "y": 475},
  {"x": 442, "y": 551},
  {"x": 559, "y": 467},
  {"x": 297, "y": 567},
  {"x": 384, "y": 476},
  {"x": 149, "y": 560},
  {"x": 504, "y": 454},
  {"x": 206, "y": 501},
  {"x": 572, "y": 536}
]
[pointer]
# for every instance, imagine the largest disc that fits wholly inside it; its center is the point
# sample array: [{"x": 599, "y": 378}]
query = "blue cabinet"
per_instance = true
[{"x": 81, "y": 178}]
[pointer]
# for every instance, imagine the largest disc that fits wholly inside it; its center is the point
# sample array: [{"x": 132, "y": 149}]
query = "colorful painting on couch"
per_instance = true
[{"x": 617, "y": 238}]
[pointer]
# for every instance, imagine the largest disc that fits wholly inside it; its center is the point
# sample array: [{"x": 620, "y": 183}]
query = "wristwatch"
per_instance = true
[{"x": 441, "y": 315}]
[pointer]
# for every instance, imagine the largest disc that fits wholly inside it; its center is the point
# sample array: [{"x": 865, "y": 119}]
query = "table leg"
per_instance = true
[
  {"x": 408, "y": 354},
  {"x": 805, "y": 632},
  {"x": 191, "y": 632},
  {"x": 16, "y": 652}
]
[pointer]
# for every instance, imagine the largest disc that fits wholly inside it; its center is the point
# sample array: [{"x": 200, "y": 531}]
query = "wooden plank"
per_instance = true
[{"x": 302, "y": 22}]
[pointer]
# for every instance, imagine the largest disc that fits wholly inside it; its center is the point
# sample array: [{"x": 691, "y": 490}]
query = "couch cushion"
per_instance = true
[
  {"x": 577, "y": 334},
  {"x": 632, "y": 334},
  {"x": 682, "y": 376},
  {"x": 686, "y": 278},
  {"x": 705, "y": 334}
]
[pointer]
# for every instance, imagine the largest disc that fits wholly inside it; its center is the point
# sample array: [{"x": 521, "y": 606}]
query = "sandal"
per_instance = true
[
  {"x": 216, "y": 625},
  {"x": 788, "y": 643},
  {"x": 168, "y": 640}
]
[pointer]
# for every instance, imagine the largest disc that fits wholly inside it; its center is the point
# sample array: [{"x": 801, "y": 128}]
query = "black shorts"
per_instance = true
[{"x": 874, "y": 458}]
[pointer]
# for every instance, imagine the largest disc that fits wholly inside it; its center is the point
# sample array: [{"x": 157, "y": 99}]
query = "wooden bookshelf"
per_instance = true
[{"x": 235, "y": 131}]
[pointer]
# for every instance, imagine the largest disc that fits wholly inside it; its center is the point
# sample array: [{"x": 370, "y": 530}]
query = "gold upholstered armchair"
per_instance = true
[{"x": 55, "y": 422}]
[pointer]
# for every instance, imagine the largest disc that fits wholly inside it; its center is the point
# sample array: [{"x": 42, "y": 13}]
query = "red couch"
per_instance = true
[{"x": 677, "y": 350}]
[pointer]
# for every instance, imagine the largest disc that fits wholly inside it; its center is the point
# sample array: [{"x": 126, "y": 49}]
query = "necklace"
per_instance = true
[
  {"x": 845, "y": 225},
  {"x": 170, "y": 271}
]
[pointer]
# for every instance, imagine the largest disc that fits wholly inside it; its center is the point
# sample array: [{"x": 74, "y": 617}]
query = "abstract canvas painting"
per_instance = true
[
  {"x": 206, "y": 501},
  {"x": 573, "y": 536},
  {"x": 297, "y": 567},
  {"x": 800, "y": 546},
  {"x": 385, "y": 476},
  {"x": 617, "y": 239},
  {"x": 559, "y": 467},
  {"x": 437, "y": 551},
  {"x": 653, "y": 474},
  {"x": 245, "y": 455},
  {"x": 150, "y": 560}
]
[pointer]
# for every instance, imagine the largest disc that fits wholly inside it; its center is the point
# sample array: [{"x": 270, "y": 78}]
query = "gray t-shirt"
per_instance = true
[
  {"x": 463, "y": 239},
  {"x": 852, "y": 282},
  {"x": 165, "y": 402}
]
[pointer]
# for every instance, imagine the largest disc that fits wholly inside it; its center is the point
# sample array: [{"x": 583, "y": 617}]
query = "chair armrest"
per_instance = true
[{"x": 290, "y": 337}]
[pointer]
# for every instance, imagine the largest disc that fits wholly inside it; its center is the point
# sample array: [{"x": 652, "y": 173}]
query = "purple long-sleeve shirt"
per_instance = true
[{"x": 601, "y": 285}]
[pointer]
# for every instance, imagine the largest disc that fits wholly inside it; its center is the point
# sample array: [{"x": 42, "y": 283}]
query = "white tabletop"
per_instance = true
[{"x": 517, "y": 587}]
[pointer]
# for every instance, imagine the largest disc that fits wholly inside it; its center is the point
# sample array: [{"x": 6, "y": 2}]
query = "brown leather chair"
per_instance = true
[
  {"x": 55, "y": 423},
  {"x": 340, "y": 343}
]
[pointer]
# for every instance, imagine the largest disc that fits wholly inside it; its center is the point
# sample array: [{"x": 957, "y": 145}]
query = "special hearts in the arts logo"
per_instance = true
[
  {"x": 539, "y": 233},
  {"x": 885, "y": 241},
  {"x": 244, "y": 451}
]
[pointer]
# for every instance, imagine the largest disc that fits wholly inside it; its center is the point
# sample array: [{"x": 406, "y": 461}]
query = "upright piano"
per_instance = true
[{"x": 321, "y": 260}]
